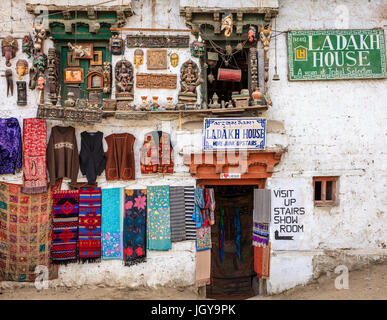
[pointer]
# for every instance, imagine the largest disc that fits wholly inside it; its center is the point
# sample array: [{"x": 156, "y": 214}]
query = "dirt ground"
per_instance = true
[{"x": 366, "y": 284}]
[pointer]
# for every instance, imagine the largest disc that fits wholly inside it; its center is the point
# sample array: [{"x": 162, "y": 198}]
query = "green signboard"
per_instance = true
[{"x": 336, "y": 54}]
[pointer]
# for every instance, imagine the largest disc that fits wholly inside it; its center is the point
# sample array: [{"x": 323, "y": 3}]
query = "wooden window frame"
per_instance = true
[{"x": 323, "y": 201}]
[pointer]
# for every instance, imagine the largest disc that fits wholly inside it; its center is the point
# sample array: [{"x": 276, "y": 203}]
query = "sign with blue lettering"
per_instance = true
[{"x": 234, "y": 134}]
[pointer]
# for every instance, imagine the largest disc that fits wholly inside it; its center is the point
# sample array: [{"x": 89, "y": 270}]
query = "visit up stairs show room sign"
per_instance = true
[{"x": 336, "y": 54}]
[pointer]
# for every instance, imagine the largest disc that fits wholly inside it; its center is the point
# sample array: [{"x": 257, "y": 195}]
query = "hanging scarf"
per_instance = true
[
  {"x": 34, "y": 156},
  {"x": 158, "y": 222},
  {"x": 260, "y": 234},
  {"x": 10, "y": 146},
  {"x": 238, "y": 233},
  {"x": 212, "y": 205},
  {"x": 111, "y": 226},
  {"x": 135, "y": 206},
  {"x": 65, "y": 227},
  {"x": 89, "y": 224},
  {"x": 221, "y": 234},
  {"x": 199, "y": 203}
]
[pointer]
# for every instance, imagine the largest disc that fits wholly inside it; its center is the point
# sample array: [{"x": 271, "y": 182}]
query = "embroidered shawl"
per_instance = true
[
  {"x": 25, "y": 233},
  {"x": 34, "y": 156},
  {"x": 10, "y": 146},
  {"x": 65, "y": 227},
  {"x": 89, "y": 242},
  {"x": 158, "y": 221},
  {"x": 135, "y": 226},
  {"x": 111, "y": 228}
]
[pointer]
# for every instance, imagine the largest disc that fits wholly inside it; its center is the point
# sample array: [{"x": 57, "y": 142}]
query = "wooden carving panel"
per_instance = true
[
  {"x": 156, "y": 59},
  {"x": 156, "y": 81},
  {"x": 155, "y": 41}
]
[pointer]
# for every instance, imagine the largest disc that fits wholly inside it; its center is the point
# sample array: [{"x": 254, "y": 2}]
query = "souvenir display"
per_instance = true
[
  {"x": 253, "y": 68},
  {"x": 92, "y": 159},
  {"x": 9, "y": 79},
  {"x": 73, "y": 75},
  {"x": 265, "y": 36},
  {"x": 89, "y": 229},
  {"x": 65, "y": 226},
  {"x": 97, "y": 59},
  {"x": 107, "y": 77},
  {"x": 21, "y": 87},
  {"x": 214, "y": 104},
  {"x": 120, "y": 163},
  {"x": 111, "y": 226},
  {"x": 156, "y": 154},
  {"x": 70, "y": 101},
  {"x": 138, "y": 57},
  {"x": 10, "y": 146},
  {"x": 95, "y": 79},
  {"x": 9, "y": 47},
  {"x": 174, "y": 59},
  {"x": 116, "y": 45},
  {"x": 234, "y": 75},
  {"x": 71, "y": 61},
  {"x": 62, "y": 154},
  {"x": 156, "y": 81},
  {"x": 39, "y": 34},
  {"x": 158, "y": 218},
  {"x": 53, "y": 65},
  {"x": 157, "y": 41},
  {"x": 170, "y": 105},
  {"x": 40, "y": 62},
  {"x": 252, "y": 34},
  {"x": 21, "y": 68},
  {"x": 156, "y": 59},
  {"x": 34, "y": 156},
  {"x": 81, "y": 50},
  {"x": 189, "y": 80},
  {"x": 241, "y": 99},
  {"x": 135, "y": 224},
  {"x": 28, "y": 46},
  {"x": 257, "y": 97},
  {"x": 227, "y": 24},
  {"x": 198, "y": 48},
  {"x": 25, "y": 234},
  {"x": 124, "y": 80}
]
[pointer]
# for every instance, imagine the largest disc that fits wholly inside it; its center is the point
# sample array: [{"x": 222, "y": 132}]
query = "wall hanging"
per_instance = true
[
  {"x": 174, "y": 59},
  {"x": 189, "y": 80},
  {"x": 9, "y": 47},
  {"x": 9, "y": 79},
  {"x": 227, "y": 24},
  {"x": 156, "y": 81},
  {"x": 81, "y": 50},
  {"x": 116, "y": 45},
  {"x": 138, "y": 57},
  {"x": 156, "y": 59},
  {"x": 124, "y": 81}
]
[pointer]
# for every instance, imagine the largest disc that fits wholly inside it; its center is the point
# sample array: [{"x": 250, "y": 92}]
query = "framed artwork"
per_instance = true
[
  {"x": 82, "y": 50},
  {"x": 73, "y": 75},
  {"x": 156, "y": 59},
  {"x": 71, "y": 61},
  {"x": 97, "y": 59}
]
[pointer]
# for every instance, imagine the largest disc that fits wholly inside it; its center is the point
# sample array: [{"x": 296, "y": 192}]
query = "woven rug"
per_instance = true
[
  {"x": 89, "y": 230},
  {"x": 135, "y": 209},
  {"x": 34, "y": 156},
  {"x": 177, "y": 204},
  {"x": 262, "y": 261},
  {"x": 111, "y": 227},
  {"x": 65, "y": 227},
  {"x": 158, "y": 220},
  {"x": 25, "y": 233}
]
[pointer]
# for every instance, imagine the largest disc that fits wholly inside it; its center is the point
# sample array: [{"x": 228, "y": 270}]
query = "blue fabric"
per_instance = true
[
  {"x": 199, "y": 203},
  {"x": 221, "y": 234},
  {"x": 10, "y": 146},
  {"x": 238, "y": 233}
]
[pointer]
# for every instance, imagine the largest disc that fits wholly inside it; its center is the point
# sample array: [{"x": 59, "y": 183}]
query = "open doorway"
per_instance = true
[{"x": 232, "y": 264}]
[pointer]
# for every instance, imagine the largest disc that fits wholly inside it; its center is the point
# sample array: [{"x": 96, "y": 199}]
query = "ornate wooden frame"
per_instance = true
[
  {"x": 73, "y": 69},
  {"x": 156, "y": 59}
]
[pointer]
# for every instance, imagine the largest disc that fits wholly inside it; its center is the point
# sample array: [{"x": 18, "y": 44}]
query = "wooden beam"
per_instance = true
[{"x": 150, "y": 29}]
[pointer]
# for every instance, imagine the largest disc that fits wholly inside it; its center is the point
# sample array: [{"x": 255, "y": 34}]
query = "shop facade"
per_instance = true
[{"x": 314, "y": 130}]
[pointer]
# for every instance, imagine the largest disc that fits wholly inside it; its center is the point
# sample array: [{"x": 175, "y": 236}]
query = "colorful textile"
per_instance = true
[
  {"x": 135, "y": 226},
  {"x": 189, "y": 200},
  {"x": 111, "y": 227},
  {"x": 262, "y": 261},
  {"x": 199, "y": 203},
  {"x": 238, "y": 233},
  {"x": 203, "y": 238},
  {"x": 65, "y": 227},
  {"x": 221, "y": 234},
  {"x": 260, "y": 234},
  {"x": 203, "y": 268},
  {"x": 25, "y": 233},
  {"x": 211, "y": 193},
  {"x": 201, "y": 216},
  {"x": 158, "y": 221},
  {"x": 10, "y": 146},
  {"x": 89, "y": 243},
  {"x": 156, "y": 154},
  {"x": 177, "y": 208},
  {"x": 34, "y": 156}
]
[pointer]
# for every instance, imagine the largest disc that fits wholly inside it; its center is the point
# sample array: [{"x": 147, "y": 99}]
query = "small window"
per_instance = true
[{"x": 325, "y": 191}]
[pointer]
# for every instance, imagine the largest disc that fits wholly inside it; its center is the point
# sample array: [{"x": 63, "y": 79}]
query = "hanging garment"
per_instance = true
[
  {"x": 212, "y": 205},
  {"x": 189, "y": 203},
  {"x": 201, "y": 216},
  {"x": 199, "y": 203},
  {"x": 238, "y": 233},
  {"x": 92, "y": 159},
  {"x": 262, "y": 206},
  {"x": 156, "y": 154},
  {"x": 120, "y": 163},
  {"x": 62, "y": 155},
  {"x": 10, "y": 146},
  {"x": 203, "y": 238},
  {"x": 177, "y": 208},
  {"x": 260, "y": 234},
  {"x": 203, "y": 268},
  {"x": 221, "y": 234},
  {"x": 34, "y": 156},
  {"x": 65, "y": 227},
  {"x": 262, "y": 261},
  {"x": 111, "y": 226},
  {"x": 135, "y": 218},
  {"x": 158, "y": 220},
  {"x": 89, "y": 242},
  {"x": 25, "y": 233}
]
